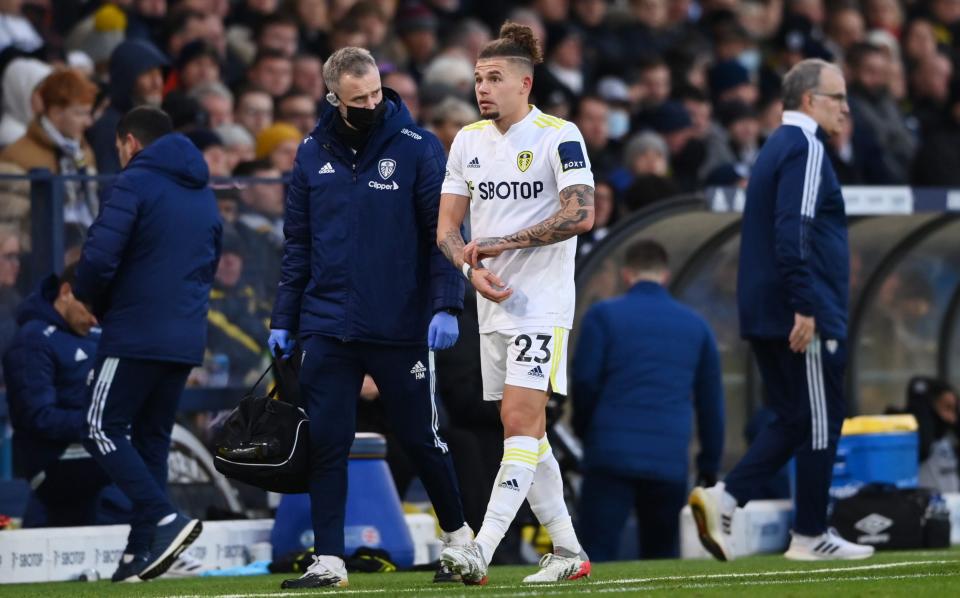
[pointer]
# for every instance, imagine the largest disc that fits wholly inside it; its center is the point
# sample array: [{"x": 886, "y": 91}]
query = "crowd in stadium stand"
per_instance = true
[{"x": 671, "y": 96}]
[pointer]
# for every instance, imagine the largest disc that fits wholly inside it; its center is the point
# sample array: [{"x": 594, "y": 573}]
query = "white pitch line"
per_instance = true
[{"x": 592, "y": 585}]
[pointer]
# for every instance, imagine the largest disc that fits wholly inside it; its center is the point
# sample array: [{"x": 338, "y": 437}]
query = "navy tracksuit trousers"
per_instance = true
[
  {"x": 330, "y": 379},
  {"x": 805, "y": 391},
  {"x": 131, "y": 419}
]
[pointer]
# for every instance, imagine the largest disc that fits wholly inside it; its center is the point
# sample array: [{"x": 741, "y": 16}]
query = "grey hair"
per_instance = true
[
  {"x": 352, "y": 60},
  {"x": 642, "y": 143},
  {"x": 213, "y": 88},
  {"x": 452, "y": 70},
  {"x": 803, "y": 77},
  {"x": 453, "y": 109},
  {"x": 233, "y": 135}
]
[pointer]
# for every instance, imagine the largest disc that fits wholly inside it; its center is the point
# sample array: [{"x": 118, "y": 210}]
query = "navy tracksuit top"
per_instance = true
[{"x": 794, "y": 256}]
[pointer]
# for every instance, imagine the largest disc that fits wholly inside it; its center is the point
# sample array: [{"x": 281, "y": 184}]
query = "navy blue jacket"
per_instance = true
[
  {"x": 46, "y": 369},
  {"x": 128, "y": 61},
  {"x": 149, "y": 259},
  {"x": 360, "y": 260},
  {"x": 794, "y": 256},
  {"x": 643, "y": 363}
]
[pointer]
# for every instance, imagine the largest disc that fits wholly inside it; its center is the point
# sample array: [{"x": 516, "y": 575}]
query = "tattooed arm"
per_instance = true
[
  {"x": 453, "y": 208},
  {"x": 574, "y": 217}
]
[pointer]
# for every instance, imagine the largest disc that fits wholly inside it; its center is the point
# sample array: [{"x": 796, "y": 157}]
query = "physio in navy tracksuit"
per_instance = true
[
  {"x": 147, "y": 268},
  {"x": 46, "y": 368},
  {"x": 792, "y": 291},
  {"x": 643, "y": 364},
  {"x": 365, "y": 289}
]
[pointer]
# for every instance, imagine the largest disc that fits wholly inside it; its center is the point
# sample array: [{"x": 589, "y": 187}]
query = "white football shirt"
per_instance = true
[{"x": 513, "y": 181}]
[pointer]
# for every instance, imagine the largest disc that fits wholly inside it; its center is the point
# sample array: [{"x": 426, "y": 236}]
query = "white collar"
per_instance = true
[{"x": 799, "y": 119}]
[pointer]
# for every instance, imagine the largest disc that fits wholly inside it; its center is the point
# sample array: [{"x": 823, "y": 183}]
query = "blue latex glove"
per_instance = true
[
  {"x": 282, "y": 342},
  {"x": 443, "y": 331}
]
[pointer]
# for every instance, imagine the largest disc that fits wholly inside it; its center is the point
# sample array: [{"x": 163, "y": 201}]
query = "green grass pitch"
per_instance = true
[{"x": 916, "y": 574}]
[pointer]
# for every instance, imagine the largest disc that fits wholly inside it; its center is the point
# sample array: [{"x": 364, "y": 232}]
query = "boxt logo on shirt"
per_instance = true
[{"x": 571, "y": 155}]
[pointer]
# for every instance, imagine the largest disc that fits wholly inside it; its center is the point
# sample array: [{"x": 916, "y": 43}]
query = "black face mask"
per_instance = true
[{"x": 364, "y": 119}]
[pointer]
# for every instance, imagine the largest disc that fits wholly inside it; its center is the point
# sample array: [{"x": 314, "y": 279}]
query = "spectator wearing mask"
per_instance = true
[
  {"x": 639, "y": 360},
  {"x": 20, "y": 81},
  {"x": 46, "y": 369},
  {"x": 934, "y": 403},
  {"x": 54, "y": 140},
  {"x": 136, "y": 79}
]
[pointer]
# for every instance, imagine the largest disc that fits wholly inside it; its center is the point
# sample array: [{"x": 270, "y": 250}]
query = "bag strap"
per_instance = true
[{"x": 273, "y": 391}]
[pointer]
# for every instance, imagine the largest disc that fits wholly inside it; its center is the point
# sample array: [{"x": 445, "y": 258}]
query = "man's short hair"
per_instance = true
[
  {"x": 859, "y": 52},
  {"x": 251, "y": 167},
  {"x": 646, "y": 256},
  {"x": 803, "y": 77},
  {"x": 268, "y": 54},
  {"x": 145, "y": 123},
  {"x": 353, "y": 60}
]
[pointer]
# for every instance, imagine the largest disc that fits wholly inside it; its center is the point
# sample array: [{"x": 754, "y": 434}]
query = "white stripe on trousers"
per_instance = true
[
  {"x": 435, "y": 418},
  {"x": 815, "y": 392},
  {"x": 95, "y": 413}
]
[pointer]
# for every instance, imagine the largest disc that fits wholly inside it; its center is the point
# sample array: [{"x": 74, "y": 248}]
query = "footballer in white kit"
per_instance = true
[
  {"x": 513, "y": 181},
  {"x": 526, "y": 180}
]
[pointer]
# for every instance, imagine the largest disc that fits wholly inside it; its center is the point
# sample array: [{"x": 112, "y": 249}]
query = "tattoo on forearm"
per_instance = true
[
  {"x": 452, "y": 247},
  {"x": 576, "y": 205}
]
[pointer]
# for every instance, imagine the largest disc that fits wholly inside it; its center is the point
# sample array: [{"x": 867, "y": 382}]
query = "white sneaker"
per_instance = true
[
  {"x": 185, "y": 566},
  {"x": 713, "y": 510},
  {"x": 460, "y": 537},
  {"x": 326, "y": 571},
  {"x": 467, "y": 561},
  {"x": 554, "y": 567},
  {"x": 828, "y": 546}
]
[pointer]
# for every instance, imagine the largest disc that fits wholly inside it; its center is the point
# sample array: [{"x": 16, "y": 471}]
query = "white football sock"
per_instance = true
[
  {"x": 546, "y": 501},
  {"x": 509, "y": 489}
]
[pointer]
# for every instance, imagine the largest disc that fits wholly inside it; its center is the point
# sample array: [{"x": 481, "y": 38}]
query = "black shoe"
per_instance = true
[
  {"x": 129, "y": 571},
  {"x": 168, "y": 542},
  {"x": 445, "y": 575}
]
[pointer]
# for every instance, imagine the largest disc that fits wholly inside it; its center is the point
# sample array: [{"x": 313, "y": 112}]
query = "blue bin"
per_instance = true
[
  {"x": 889, "y": 457},
  {"x": 374, "y": 515}
]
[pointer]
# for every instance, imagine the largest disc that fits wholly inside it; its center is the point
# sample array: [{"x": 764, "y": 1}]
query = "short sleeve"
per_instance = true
[
  {"x": 453, "y": 181},
  {"x": 570, "y": 162}
]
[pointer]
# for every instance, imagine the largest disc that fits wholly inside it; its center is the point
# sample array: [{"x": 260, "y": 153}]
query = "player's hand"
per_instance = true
[
  {"x": 489, "y": 285},
  {"x": 803, "y": 329},
  {"x": 478, "y": 249}
]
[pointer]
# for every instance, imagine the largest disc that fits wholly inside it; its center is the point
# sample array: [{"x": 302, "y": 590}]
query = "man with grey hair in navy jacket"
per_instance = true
[
  {"x": 364, "y": 289},
  {"x": 792, "y": 290}
]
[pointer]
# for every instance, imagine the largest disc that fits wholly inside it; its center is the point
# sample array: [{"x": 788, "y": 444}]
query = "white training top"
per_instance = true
[{"x": 513, "y": 182}]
